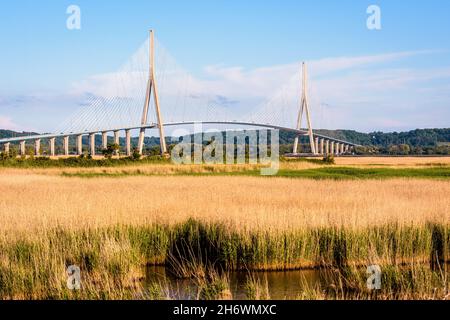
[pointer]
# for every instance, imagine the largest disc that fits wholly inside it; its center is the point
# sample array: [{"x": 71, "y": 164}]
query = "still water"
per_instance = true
[{"x": 282, "y": 284}]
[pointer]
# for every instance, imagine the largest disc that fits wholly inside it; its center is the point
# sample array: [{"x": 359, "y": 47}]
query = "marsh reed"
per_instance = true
[{"x": 113, "y": 227}]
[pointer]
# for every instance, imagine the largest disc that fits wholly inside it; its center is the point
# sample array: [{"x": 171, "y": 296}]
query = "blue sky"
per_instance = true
[{"x": 41, "y": 59}]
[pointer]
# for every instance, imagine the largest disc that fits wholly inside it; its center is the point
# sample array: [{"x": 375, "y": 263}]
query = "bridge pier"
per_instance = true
[
  {"x": 332, "y": 148},
  {"x": 338, "y": 148},
  {"x": 79, "y": 144},
  {"x": 321, "y": 146},
  {"x": 92, "y": 144},
  {"x": 104, "y": 140},
  {"x": 327, "y": 147},
  {"x": 342, "y": 148},
  {"x": 295, "y": 148},
  {"x": 37, "y": 147},
  {"x": 128, "y": 142},
  {"x": 66, "y": 145},
  {"x": 116, "y": 141},
  {"x": 22, "y": 150},
  {"x": 51, "y": 143},
  {"x": 316, "y": 145},
  {"x": 141, "y": 140},
  {"x": 6, "y": 147}
]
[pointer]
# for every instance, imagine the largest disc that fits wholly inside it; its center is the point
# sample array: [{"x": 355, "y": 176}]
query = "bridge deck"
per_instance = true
[{"x": 153, "y": 125}]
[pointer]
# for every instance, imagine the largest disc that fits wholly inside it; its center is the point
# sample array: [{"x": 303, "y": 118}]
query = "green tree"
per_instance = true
[
  {"x": 404, "y": 149},
  {"x": 393, "y": 149},
  {"x": 110, "y": 150},
  {"x": 135, "y": 155},
  {"x": 418, "y": 150}
]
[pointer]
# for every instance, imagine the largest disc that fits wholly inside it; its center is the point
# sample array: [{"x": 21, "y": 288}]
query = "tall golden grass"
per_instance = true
[
  {"x": 36, "y": 202},
  {"x": 153, "y": 169},
  {"x": 113, "y": 226}
]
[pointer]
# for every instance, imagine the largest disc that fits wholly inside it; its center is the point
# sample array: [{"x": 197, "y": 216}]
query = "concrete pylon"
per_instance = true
[
  {"x": 51, "y": 144},
  {"x": 151, "y": 84},
  {"x": 92, "y": 144},
  {"x": 342, "y": 148},
  {"x": 104, "y": 140},
  {"x": 37, "y": 147},
  {"x": 79, "y": 144},
  {"x": 316, "y": 144},
  {"x": 332, "y": 148},
  {"x": 6, "y": 147},
  {"x": 116, "y": 141},
  {"x": 347, "y": 148},
  {"x": 128, "y": 142},
  {"x": 327, "y": 147},
  {"x": 304, "y": 107},
  {"x": 337, "y": 148},
  {"x": 66, "y": 145},
  {"x": 22, "y": 150},
  {"x": 322, "y": 140}
]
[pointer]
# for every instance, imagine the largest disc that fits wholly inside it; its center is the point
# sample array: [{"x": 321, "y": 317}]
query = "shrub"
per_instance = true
[
  {"x": 329, "y": 159},
  {"x": 135, "y": 155},
  {"x": 110, "y": 150}
]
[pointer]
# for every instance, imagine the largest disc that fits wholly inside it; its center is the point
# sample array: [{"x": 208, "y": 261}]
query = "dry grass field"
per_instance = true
[
  {"x": 172, "y": 169},
  {"x": 37, "y": 202},
  {"x": 404, "y": 162}
]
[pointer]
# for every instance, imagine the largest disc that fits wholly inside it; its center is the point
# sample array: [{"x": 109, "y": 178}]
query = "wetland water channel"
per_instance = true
[{"x": 281, "y": 284}]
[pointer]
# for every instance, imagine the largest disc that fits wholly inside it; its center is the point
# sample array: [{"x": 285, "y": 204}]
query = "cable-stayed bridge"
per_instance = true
[{"x": 151, "y": 91}]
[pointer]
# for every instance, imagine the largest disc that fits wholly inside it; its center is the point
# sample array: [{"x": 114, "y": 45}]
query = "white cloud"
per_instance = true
[
  {"x": 364, "y": 93},
  {"x": 232, "y": 82},
  {"x": 328, "y": 65}
]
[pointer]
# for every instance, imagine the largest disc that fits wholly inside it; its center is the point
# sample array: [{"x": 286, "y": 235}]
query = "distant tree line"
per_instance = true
[{"x": 415, "y": 142}]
